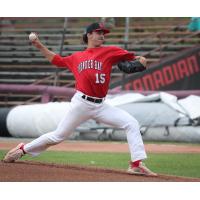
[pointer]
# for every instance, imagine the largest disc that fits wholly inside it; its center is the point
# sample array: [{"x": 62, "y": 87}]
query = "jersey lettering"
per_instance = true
[{"x": 90, "y": 64}]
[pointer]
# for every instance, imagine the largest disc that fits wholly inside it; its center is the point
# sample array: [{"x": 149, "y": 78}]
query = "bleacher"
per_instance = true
[{"x": 21, "y": 63}]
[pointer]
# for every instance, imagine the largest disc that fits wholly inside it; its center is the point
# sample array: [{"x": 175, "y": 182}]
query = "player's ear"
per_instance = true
[{"x": 89, "y": 35}]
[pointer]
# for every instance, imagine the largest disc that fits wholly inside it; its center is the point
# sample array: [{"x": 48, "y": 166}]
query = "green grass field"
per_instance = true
[{"x": 186, "y": 165}]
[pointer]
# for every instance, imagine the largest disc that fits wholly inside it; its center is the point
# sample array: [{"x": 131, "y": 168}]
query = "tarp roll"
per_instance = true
[{"x": 3, "y": 122}]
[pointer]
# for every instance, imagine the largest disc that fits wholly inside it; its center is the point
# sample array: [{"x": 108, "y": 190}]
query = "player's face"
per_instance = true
[{"x": 96, "y": 38}]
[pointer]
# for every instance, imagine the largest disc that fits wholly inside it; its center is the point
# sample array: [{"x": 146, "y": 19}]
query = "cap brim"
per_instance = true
[{"x": 103, "y": 29}]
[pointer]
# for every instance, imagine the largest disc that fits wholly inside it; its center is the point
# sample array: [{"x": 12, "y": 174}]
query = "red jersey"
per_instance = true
[{"x": 92, "y": 68}]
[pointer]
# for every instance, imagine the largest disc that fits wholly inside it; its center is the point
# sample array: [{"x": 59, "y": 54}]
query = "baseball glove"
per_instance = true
[{"x": 130, "y": 67}]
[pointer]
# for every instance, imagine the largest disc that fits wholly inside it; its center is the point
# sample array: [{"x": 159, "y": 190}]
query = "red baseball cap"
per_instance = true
[{"x": 94, "y": 27}]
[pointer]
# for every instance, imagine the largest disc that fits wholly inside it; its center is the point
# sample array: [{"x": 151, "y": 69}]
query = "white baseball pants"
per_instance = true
[{"x": 82, "y": 110}]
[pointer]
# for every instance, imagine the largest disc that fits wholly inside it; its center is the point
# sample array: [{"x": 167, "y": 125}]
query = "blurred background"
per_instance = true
[{"x": 170, "y": 44}]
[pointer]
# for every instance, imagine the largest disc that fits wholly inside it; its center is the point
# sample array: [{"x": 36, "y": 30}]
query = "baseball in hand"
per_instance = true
[{"x": 32, "y": 37}]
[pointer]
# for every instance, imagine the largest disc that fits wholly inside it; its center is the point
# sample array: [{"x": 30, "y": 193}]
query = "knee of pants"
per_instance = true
[
  {"x": 132, "y": 124},
  {"x": 58, "y": 140}
]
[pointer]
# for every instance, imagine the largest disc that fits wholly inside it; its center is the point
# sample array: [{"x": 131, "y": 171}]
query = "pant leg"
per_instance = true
[
  {"x": 121, "y": 119},
  {"x": 77, "y": 114}
]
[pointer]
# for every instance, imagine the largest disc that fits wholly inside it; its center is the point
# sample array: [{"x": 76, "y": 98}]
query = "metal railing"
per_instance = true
[{"x": 56, "y": 79}]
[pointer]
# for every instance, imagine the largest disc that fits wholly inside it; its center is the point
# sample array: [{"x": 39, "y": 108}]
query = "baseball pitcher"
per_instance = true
[{"x": 91, "y": 69}]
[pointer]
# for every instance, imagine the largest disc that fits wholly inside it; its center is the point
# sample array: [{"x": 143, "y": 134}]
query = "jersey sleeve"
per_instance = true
[
  {"x": 63, "y": 61},
  {"x": 118, "y": 54}
]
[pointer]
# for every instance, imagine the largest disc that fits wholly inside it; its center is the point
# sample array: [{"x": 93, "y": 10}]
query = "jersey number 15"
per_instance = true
[{"x": 100, "y": 78}]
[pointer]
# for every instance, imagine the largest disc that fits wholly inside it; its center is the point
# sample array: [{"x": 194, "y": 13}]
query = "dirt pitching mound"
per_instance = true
[{"x": 26, "y": 171}]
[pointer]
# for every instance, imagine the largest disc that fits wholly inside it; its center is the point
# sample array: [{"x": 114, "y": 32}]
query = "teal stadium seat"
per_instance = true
[{"x": 194, "y": 25}]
